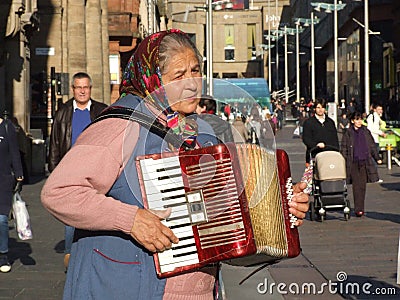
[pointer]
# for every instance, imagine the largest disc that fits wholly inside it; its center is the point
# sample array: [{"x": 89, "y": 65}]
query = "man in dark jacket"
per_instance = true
[
  {"x": 10, "y": 170},
  {"x": 69, "y": 121},
  {"x": 319, "y": 131}
]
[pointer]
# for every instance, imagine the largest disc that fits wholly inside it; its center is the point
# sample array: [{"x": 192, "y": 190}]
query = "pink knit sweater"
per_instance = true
[{"x": 75, "y": 194}]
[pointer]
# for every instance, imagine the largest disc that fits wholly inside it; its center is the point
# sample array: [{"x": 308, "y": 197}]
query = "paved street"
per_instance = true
[{"x": 363, "y": 249}]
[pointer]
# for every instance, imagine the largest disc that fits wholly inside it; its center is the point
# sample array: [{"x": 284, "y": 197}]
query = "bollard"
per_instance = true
[{"x": 389, "y": 156}]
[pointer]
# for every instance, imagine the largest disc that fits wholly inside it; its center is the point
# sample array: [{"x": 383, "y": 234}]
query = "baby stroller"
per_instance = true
[{"x": 329, "y": 187}]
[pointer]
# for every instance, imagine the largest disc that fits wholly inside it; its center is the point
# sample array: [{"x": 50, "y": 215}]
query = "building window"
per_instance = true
[
  {"x": 251, "y": 42},
  {"x": 229, "y": 43},
  {"x": 114, "y": 68},
  {"x": 388, "y": 67},
  {"x": 229, "y": 53}
]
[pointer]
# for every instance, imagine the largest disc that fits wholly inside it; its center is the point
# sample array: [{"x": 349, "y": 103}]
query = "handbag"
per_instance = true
[{"x": 21, "y": 217}]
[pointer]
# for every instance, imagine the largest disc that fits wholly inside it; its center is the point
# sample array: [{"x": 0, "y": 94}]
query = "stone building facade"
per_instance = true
[{"x": 99, "y": 36}]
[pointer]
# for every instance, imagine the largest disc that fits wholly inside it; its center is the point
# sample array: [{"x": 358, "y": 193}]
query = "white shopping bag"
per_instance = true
[
  {"x": 296, "y": 131},
  {"x": 21, "y": 217}
]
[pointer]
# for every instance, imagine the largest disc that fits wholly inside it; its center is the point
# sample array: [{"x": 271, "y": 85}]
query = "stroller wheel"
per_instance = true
[
  {"x": 346, "y": 211},
  {"x": 322, "y": 214},
  {"x": 347, "y": 204},
  {"x": 322, "y": 217}
]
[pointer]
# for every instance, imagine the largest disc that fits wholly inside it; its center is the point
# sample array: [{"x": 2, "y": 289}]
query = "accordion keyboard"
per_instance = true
[{"x": 164, "y": 188}]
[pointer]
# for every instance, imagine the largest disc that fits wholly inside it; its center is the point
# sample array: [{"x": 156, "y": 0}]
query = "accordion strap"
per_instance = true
[{"x": 152, "y": 124}]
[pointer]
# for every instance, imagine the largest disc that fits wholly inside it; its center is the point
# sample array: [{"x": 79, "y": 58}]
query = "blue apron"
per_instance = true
[{"x": 111, "y": 265}]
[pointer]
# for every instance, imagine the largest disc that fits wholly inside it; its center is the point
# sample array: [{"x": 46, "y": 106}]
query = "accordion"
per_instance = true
[
  {"x": 229, "y": 203},
  {"x": 210, "y": 214}
]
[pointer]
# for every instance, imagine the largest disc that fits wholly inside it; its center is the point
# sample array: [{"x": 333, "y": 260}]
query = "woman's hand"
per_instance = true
[
  {"x": 148, "y": 230},
  {"x": 299, "y": 204},
  {"x": 379, "y": 161},
  {"x": 18, "y": 185}
]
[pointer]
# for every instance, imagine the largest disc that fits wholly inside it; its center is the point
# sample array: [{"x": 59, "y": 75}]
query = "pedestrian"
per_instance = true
[
  {"x": 10, "y": 172},
  {"x": 206, "y": 110},
  {"x": 69, "y": 121},
  {"x": 319, "y": 131},
  {"x": 279, "y": 115},
  {"x": 351, "y": 108},
  {"x": 111, "y": 255},
  {"x": 344, "y": 123},
  {"x": 254, "y": 125},
  {"x": 302, "y": 118},
  {"x": 239, "y": 130},
  {"x": 374, "y": 123},
  {"x": 268, "y": 123},
  {"x": 359, "y": 151}
]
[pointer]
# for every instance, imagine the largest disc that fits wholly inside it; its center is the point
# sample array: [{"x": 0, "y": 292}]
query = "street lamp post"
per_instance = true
[
  {"x": 274, "y": 35},
  {"x": 269, "y": 47},
  {"x": 209, "y": 7},
  {"x": 335, "y": 7},
  {"x": 335, "y": 49},
  {"x": 286, "y": 68},
  {"x": 277, "y": 53},
  {"x": 307, "y": 22},
  {"x": 367, "y": 32},
  {"x": 264, "y": 48},
  {"x": 209, "y": 51},
  {"x": 366, "y": 57},
  {"x": 287, "y": 31},
  {"x": 313, "y": 56},
  {"x": 297, "y": 63}
]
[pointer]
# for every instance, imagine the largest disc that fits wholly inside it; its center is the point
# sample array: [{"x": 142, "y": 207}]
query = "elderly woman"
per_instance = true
[{"x": 95, "y": 187}]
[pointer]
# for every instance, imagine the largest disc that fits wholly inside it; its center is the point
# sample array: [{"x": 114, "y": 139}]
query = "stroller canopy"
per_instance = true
[{"x": 330, "y": 165}]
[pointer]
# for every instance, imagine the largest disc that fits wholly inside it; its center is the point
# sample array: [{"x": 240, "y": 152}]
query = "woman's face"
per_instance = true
[
  {"x": 357, "y": 123},
  {"x": 182, "y": 81}
]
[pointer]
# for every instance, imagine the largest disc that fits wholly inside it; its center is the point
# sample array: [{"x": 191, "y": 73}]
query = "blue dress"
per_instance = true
[{"x": 112, "y": 265}]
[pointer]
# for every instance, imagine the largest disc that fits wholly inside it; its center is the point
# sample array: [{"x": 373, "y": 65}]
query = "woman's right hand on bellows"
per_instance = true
[{"x": 148, "y": 230}]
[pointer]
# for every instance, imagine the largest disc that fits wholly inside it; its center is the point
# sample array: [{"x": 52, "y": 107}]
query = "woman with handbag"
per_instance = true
[{"x": 10, "y": 169}]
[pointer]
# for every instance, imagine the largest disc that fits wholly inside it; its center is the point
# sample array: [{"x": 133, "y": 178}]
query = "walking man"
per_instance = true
[{"x": 69, "y": 121}]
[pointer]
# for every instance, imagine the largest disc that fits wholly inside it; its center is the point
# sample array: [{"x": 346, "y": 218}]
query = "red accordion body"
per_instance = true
[{"x": 210, "y": 213}]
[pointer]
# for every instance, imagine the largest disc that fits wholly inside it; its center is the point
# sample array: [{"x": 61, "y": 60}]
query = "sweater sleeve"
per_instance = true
[
  {"x": 307, "y": 134},
  {"x": 75, "y": 192},
  {"x": 345, "y": 146},
  {"x": 54, "y": 151}
]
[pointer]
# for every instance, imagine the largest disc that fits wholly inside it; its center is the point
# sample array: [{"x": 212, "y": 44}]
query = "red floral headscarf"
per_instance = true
[
  {"x": 142, "y": 74},
  {"x": 142, "y": 77}
]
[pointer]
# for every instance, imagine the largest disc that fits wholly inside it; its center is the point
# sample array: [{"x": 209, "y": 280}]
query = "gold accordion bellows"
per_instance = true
[{"x": 268, "y": 189}]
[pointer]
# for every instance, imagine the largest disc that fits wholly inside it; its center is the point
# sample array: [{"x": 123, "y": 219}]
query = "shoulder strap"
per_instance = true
[{"x": 144, "y": 120}]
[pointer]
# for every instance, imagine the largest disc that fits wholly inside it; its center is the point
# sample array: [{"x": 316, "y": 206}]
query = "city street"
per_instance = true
[{"x": 352, "y": 258}]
